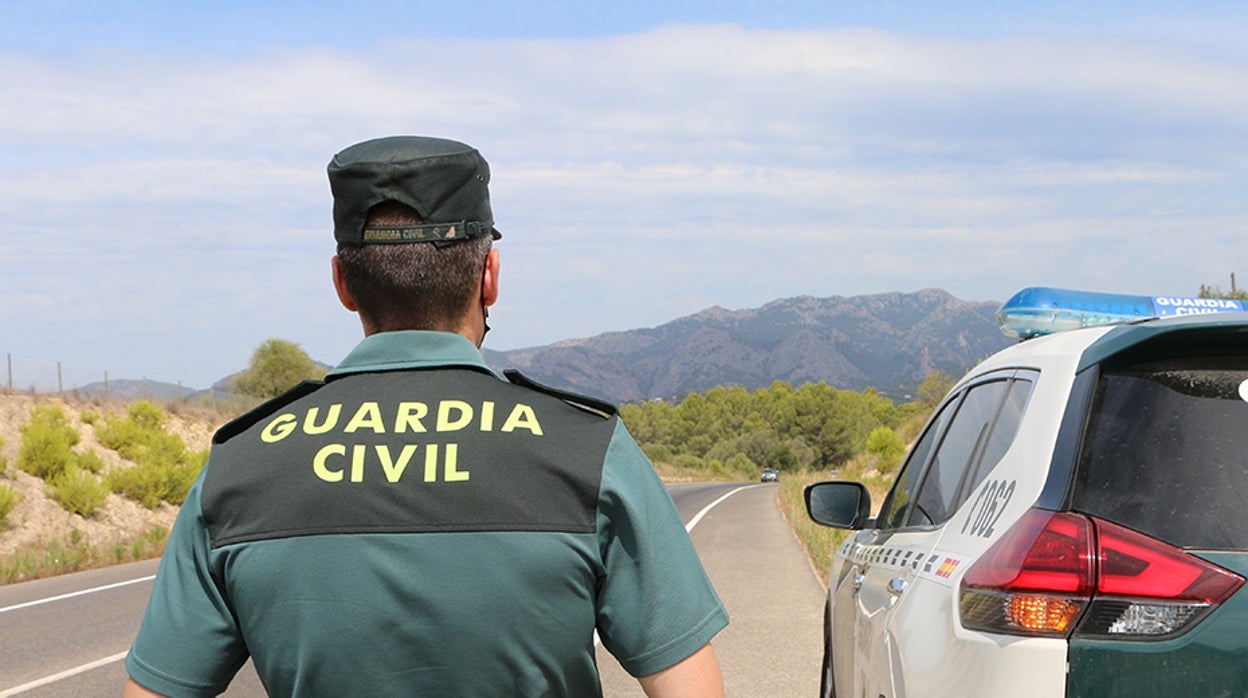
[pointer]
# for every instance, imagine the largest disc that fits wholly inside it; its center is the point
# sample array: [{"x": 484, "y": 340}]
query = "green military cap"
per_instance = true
[{"x": 445, "y": 181}]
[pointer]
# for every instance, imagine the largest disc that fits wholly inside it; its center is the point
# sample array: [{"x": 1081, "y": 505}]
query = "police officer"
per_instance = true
[{"x": 415, "y": 525}]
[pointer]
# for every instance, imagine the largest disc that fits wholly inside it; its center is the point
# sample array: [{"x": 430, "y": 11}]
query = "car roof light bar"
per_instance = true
[{"x": 1040, "y": 310}]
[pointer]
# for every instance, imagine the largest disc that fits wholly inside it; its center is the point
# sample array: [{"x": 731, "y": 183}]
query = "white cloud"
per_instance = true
[{"x": 637, "y": 178}]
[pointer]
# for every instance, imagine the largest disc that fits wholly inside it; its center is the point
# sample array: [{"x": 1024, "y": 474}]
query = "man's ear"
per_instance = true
[
  {"x": 489, "y": 279},
  {"x": 340, "y": 285}
]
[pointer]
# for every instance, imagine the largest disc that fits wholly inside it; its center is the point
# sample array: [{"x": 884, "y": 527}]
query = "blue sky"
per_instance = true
[{"x": 164, "y": 209}]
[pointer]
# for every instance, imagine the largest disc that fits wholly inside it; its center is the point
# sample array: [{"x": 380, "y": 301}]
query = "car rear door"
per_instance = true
[{"x": 905, "y": 600}]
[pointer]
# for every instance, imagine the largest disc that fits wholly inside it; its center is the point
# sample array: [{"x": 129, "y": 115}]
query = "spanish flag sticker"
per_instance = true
[{"x": 947, "y": 567}]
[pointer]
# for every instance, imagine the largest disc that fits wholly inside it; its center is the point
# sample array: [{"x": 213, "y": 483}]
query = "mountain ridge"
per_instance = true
[{"x": 889, "y": 341}]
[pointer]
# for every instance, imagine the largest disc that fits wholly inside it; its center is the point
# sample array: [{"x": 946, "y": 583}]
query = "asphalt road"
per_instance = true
[
  {"x": 67, "y": 636},
  {"x": 772, "y": 646}
]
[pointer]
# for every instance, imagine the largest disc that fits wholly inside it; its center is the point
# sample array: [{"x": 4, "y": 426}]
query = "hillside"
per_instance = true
[
  {"x": 39, "y": 520},
  {"x": 889, "y": 341}
]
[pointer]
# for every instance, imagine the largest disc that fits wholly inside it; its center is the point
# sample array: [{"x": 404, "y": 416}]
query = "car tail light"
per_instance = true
[{"x": 1058, "y": 574}]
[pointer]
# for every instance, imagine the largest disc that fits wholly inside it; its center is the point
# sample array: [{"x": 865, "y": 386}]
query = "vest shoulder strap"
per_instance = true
[
  {"x": 245, "y": 421},
  {"x": 584, "y": 402}
]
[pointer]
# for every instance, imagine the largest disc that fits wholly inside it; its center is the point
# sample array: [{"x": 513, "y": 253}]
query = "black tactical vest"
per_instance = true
[{"x": 430, "y": 450}]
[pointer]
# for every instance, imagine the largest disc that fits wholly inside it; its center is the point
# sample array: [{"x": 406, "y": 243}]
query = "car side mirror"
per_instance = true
[{"x": 839, "y": 504}]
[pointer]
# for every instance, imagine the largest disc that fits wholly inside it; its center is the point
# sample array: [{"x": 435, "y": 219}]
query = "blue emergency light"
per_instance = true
[{"x": 1040, "y": 310}]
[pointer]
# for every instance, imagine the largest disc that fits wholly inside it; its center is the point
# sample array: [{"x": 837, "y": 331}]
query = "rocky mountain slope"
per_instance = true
[{"x": 890, "y": 341}]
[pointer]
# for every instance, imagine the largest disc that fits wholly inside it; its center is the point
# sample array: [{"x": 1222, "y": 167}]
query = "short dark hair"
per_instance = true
[{"x": 412, "y": 286}]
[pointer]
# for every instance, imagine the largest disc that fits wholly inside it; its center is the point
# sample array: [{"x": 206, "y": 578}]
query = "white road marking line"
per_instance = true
[
  {"x": 694, "y": 521},
  {"x": 62, "y": 675},
  {"x": 71, "y": 595}
]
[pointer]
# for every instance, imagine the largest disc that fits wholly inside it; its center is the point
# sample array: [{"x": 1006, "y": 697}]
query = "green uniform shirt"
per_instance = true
[{"x": 414, "y": 527}]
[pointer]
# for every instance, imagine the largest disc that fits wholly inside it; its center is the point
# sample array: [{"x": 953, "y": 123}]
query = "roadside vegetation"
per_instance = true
[
  {"x": 733, "y": 432},
  {"x": 133, "y": 454},
  {"x": 9, "y": 497},
  {"x": 72, "y": 553},
  {"x": 157, "y": 465},
  {"x": 149, "y": 465},
  {"x": 47, "y": 452},
  {"x": 811, "y": 433},
  {"x": 164, "y": 469}
]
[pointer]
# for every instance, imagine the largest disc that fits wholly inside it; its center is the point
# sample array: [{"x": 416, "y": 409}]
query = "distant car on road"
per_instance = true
[
  {"x": 1071, "y": 521},
  {"x": 770, "y": 475}
]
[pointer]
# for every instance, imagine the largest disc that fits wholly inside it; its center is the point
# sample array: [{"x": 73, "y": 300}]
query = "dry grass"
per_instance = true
[{"x": 820, "y": 541}]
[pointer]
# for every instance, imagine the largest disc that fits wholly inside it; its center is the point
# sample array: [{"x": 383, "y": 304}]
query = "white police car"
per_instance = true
[{"x": 1073, "y": 520}]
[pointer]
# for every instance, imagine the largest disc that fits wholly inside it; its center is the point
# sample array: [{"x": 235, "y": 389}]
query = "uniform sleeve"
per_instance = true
[
  {"x": 188, "y": 644},
  {"x": 656, "y": 605}
]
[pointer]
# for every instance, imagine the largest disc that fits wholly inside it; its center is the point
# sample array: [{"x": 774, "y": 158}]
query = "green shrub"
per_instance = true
[
  {"x": 277, "y": 365},
  {"x": 126, "y": 435},
  {"x": 144, "y": 485},
  {"x": 688, "y": 460},
  {"x": 77, "y": 491},
  {"x": 164, "y": 469},
  {"x": 47, "y": 443},
  {"x": 146, "y": 415},
  {"x": 150, "y": 483},
  {"x": 887, "y": 446},
  {"x": 90, "y": 461},
  {"x": 658, "y": 453},
  {"x": 741, "y": 465},
  {"x": 150, "y": 544},
  {"x": 9, "y": 498}
]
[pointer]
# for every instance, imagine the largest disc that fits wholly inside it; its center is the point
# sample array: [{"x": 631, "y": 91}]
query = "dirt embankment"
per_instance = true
[{"x": 37, "y": 519}]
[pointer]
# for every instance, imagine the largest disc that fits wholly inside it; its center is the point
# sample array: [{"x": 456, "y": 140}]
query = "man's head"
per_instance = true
[{"x": 414, "y": 228}]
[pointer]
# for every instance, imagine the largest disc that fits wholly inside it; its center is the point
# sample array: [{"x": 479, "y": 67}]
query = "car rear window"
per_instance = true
[{"x": 1166, "y": 448}]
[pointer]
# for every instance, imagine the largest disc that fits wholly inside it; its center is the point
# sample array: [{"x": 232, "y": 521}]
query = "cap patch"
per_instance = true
[{"x": 430, "y": 232}]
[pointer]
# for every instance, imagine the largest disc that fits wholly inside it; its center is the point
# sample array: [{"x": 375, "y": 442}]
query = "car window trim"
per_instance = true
[
  {"x": 951, "y": 402},
  {"x": 1059, "y": 491},
  {"x": 997, "y": 376},
  {"x": 955, "y": 396},
  {"x": 1021, "y": 375}
]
